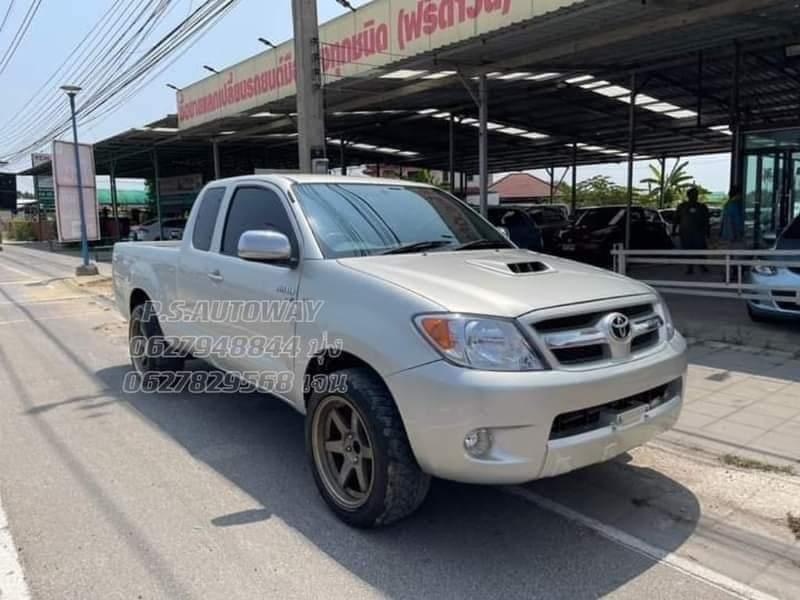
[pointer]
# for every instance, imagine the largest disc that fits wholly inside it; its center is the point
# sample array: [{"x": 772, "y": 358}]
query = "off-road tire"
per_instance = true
[
  {"x": 144, "y": 324},
  {"x": 398, "y": 485}
]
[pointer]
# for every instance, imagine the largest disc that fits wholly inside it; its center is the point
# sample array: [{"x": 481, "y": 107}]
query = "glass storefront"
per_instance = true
[{"x": 771, "y": 183}]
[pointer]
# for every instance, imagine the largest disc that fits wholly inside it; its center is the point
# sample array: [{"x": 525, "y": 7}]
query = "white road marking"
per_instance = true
[
  {"x": 54, "y": 318},
  {"x": 688, "y": 567},
  {"x": 12, "y": 580},
  {"x": 61, "y": 300},
  {"x": 21, "y": 282},
  {"x": 3, "y": 265}
]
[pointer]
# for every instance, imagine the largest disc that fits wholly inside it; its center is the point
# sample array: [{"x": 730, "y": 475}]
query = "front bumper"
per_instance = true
[
  {"x": 441, "y": 403},
  {"x": 783, "y": 289}
]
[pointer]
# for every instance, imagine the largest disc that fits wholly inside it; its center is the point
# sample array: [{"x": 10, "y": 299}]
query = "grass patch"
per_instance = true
[
  {"x": 756, "y": 465},
  {"x": 794, "y": 524}
]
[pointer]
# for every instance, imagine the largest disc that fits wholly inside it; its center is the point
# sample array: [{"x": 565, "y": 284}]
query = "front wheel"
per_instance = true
[{"x": 360, "y": 455}]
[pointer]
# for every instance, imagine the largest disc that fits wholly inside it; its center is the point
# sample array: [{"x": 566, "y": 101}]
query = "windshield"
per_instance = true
[
  {"x": 597, "y": 218},
  {"x": 362, "y": 219}
]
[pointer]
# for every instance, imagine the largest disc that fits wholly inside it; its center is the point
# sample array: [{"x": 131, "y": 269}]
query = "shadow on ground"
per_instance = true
[{"x": 466, "y": 541}]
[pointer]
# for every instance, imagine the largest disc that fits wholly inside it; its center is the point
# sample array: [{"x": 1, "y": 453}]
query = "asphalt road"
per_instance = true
[{"x": 113, "y": 495}]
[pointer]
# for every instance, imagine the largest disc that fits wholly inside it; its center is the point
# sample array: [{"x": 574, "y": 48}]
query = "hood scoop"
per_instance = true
[{"x": 527, "y": 267}]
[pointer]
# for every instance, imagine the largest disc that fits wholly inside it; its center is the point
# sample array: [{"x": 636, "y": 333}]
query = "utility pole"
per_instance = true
[
  {"x": 308, "y": 70},
  {"x": 3, "y": 164}
]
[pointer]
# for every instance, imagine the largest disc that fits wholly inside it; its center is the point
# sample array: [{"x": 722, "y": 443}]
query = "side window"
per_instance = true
[
  {"x": 207, "y": 218},
  {"x": 254, "y": 208}
]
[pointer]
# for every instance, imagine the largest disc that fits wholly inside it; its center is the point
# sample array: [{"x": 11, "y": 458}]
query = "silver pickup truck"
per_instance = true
[{"x": 414, "y": 337}]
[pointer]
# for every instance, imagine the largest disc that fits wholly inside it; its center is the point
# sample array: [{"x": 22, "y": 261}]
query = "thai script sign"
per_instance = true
[{"x": 375, "y": 36}]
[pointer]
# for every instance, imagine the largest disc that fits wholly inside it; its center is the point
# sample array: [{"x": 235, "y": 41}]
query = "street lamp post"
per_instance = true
[
  {"x": 85, "y": 268},
  {"x": 2, "y": 164}
]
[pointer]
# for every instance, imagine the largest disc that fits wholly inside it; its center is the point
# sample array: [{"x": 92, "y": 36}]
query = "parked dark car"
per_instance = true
[
  {"x": 520, "y": 225},
  {"x": 551, "y": 221},
  {"x": 593, "y": 236}
]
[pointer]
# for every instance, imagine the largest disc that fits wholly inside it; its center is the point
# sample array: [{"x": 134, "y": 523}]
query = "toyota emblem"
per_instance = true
[{"x": 619, "y": 327}]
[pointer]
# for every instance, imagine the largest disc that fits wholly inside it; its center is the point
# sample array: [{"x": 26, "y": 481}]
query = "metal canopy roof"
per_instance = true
[{"x": 682, "y": 52}]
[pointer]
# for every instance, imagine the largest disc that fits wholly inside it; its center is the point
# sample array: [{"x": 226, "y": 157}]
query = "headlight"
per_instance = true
[
  {"x": 765, "y": 270},
  {"x": 479, "y": 342},
  {"x": 663, "y": 310}
]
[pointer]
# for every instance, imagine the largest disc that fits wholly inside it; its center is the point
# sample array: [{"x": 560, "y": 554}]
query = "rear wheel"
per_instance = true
[
  {"x": 360, "y": 456},
  {"x": 147, "y": 347}
]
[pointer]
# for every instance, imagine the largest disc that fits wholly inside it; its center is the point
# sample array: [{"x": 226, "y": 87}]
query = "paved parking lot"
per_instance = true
[{"x": 115, "y": 495}]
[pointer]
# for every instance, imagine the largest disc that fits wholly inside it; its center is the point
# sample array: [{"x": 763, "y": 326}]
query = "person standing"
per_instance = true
[
  {"x": 693, "y": 225},
  {"x": 732, "y": 228}
]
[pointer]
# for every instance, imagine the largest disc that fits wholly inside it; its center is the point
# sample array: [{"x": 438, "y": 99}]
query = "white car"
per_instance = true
[
  {"x": 781, "y": 282},
  {"x": 171, "y": 229},
  {"x": 432, "y": 345}
]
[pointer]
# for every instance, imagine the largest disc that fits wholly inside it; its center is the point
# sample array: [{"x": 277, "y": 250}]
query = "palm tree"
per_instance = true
[{"x": 676, "y": 181}]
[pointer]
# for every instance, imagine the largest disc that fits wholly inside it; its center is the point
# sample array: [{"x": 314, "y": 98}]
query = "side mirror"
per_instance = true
[
  {"x": 265, "y": 245},
  {"x": 504, "y": 232}
]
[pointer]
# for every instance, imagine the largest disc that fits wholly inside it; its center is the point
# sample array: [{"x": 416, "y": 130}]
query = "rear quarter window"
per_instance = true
[{"x": 206, "y": 220}]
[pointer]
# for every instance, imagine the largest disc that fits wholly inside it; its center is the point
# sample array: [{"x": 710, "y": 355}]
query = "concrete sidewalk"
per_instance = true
[{"x": 742, "y": 401}]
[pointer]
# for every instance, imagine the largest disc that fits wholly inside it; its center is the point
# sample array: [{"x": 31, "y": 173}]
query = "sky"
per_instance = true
[{"x": 61, "y": 24}]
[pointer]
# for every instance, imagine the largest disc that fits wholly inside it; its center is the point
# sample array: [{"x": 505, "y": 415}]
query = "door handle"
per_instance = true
[{"x": 215, "y": 276}]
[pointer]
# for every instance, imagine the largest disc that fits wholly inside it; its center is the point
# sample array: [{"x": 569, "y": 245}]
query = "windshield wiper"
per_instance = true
[
  {"x": 417, "y": 246},
  {"x": 484, "y": 243}
]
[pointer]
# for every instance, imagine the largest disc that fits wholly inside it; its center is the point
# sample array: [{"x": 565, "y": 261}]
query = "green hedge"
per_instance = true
[{"x": 21, "y": 231}]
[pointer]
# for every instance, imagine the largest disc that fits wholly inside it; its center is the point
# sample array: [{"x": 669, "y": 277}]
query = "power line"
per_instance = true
[
  {"x": 93, "y": 58},
  {"x": 40, "y": 107},
  {"x": 20, "y": 35},
  {"x": 8, "y": 12},
  {"x": 130, "y": 79},
  {"x": 98, "y": 60}
]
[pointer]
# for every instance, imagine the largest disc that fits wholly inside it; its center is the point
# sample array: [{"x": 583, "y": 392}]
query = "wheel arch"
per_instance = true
[
  {"x": 138, "y": 296},
  {"x": 329, "y": 361}
]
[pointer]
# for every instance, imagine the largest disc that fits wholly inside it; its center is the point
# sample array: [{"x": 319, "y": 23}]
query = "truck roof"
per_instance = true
[{"x": 290, "y": 178}]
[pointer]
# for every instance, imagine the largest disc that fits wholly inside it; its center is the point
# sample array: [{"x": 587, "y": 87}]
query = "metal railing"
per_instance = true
[{"x": 729, "y": 267}]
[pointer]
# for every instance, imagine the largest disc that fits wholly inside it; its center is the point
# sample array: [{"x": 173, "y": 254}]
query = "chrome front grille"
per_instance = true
[{"x": 608, "y": 334}]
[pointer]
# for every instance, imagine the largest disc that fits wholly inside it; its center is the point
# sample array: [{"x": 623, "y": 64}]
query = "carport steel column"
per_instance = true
[
  {"x": 114, "y": 199},
  {"x": 631, "y": 149},
  {"x": 157, "y": 193},
  {"x": 215, "y": 157},
  {"x": 483, "y": 146},
  {"x": 452, "y": 165},
  {"x": 308, "y": 70}
]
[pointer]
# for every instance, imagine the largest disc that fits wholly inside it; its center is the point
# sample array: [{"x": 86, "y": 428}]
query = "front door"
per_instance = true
[{"x": 257, "y": 335}]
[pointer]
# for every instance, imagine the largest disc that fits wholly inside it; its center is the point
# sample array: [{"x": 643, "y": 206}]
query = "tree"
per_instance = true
[
  {"x": 424, "y": 176},
  {"x": 601, "y": 190},
  {"x": 676, "y": 182}
]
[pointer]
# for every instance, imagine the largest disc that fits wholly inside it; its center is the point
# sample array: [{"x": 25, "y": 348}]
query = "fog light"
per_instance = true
[{"x": 478, "y": 442}]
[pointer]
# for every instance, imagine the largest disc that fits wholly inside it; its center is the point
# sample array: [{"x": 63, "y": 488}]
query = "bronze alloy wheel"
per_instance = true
[
  {"x": 139, "y": 350},
  {"x": 343, "y": 452}
]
